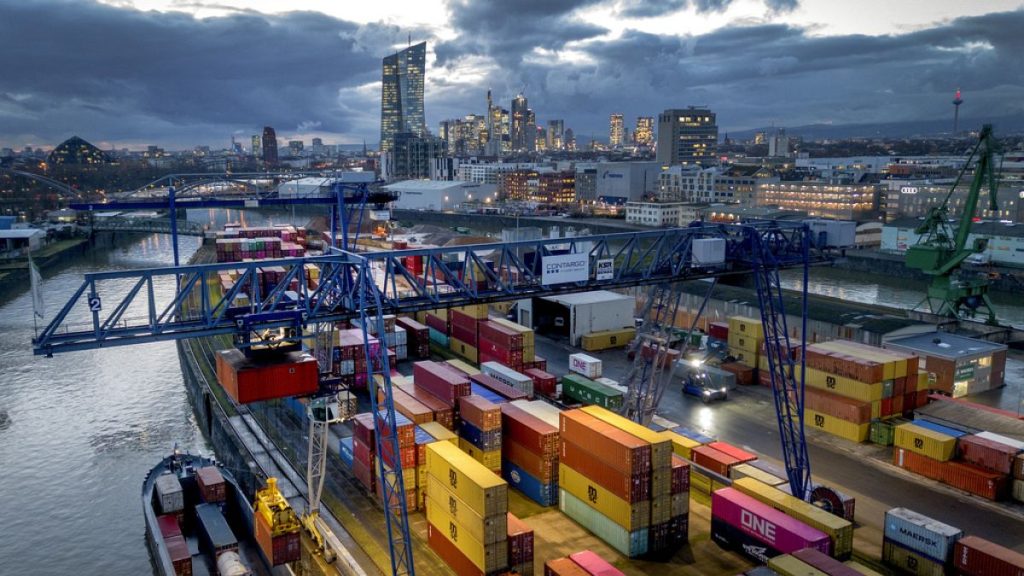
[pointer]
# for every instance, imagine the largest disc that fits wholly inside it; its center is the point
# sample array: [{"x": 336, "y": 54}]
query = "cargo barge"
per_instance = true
[{"x": 198, "y": 520}]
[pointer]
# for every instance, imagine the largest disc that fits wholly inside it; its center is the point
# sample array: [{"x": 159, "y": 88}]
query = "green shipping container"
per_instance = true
[
  {"x": 586, "y": 391},
  {"x": 881, "y": 432}
]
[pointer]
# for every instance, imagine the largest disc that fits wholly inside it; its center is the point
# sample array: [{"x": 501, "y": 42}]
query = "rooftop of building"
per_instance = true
[
  {"x": 20, "y": 233},
  {"x": 947, "y": 345},
  {"x": 428, "y": 185}
]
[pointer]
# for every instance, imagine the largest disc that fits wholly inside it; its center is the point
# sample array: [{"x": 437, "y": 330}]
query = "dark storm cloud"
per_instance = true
[
  {"x": 84, "y": 67},
  {"x": 649, "y": 9}
]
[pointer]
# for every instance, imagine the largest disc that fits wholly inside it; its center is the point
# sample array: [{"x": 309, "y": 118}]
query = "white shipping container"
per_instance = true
[
  {"x": 707, "y": 252},
  {"x": 922, "y": 534},
  {"x": 595, "y": 312},
  {"x": 170, "y": 494},
  {"x": 1002, "y": 440},
  {"x": 508, "y": 376},
  {"x": 585, "y": 365},
  {"x": 401, "y": 338},
  {"x": 838, "y": 233},
  {"x": 1018, "y": 490}
]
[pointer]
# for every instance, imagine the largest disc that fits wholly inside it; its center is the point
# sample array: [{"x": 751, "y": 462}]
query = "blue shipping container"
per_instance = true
[
  {"x": 630, "y": 544},
  {"x": 438, "y": 338},
  {"x": 345, "y": 451},
  {"x": 921, "y": 534},
  {"x": 940, "y": 428},
  {"x": 487, "y": 393},
  {"x": 543, "y": 494},
  {"x": 486, "y": 441},
  {"x": 693, "y": 435}
]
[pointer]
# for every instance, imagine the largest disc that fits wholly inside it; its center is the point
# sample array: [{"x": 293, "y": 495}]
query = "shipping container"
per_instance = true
[
  {"x": 456, "y": 560},
  {"x": 918, "y": 464},
  {"x": 529, "y": 431},
  {"x": 773, "y": 529},
  {"x": 941, "y": 429},
  {"x": 441, "y": 381},
  {"x": 978, "y": 481},
  {"x": 630, "y": 544},
  {"x": 717, "y": 462},
  {"x": 496, "y": 386},
  {"x": 747, "y": 471},
  {"x": 439, "y": 432},
  {"x": 681, "y": 445},
  {"x": 543, "y": 383},
  {"x": 543, "y": 492},
  {"x": 975, "y": 556},
  {"x": 934, "y": 445},
  {"x": 661, "y": 448},
  {"x": 837, "y": 427},
  {"x": 587, "y": 391},
  {"x": 491, "y": 459},
  {"x": 819, "y": 561},
  {"x": 1016, "y": 444},
  {"x": 630, "y": 488},
  {"x": 480, "y": 412},
  {"x": 250, "y": 380},
  {"x": 909, "y": 562},
  {"x": 484, "y": 529},
  {"x": 840, "y": 531},
  {"x": 477, "y": 486},
  {"x": 607, "y": 339},
  {"x": 742, "y": 456},
  {"x": 279, "y": 546},
  {"x": 921, "y": 534},
  {"x": 631, "y": 516},
  {"x": 585, "y": 365},
  {"x": 509, "y": 377},
  {"x": 211, "y": 484},
  {"x": 987, "y": 453},
  {"x": 621, "y": 450},
  {"x": 1018, "y": 467},
  {"x": 463, "y": 348},
  {"x": 594, "y": 564},
  {"x": 563, "y": 567},
  {"x": 838, "y": 406},
  {"x": 461, "y": 366},
  {"x": 169, "y": 525},
  {"x": 1017, "y": 490},
  {"x": 843, "y": 385},
  {"x": 181, "y": 558},
  {"x": 789, "y": 565},
  {"x": 746, "y": 325},
  {"x": 520, "y": 543},
  {"x": 169, "y": 494},
  {"x": 216, "y": 535}
]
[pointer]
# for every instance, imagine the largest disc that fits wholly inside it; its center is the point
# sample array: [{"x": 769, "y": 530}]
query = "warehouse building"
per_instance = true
[
  {"x": 440, "y": 194},
  {"x": 956, "y": 365},
  {"x": 576, "y": 315}
]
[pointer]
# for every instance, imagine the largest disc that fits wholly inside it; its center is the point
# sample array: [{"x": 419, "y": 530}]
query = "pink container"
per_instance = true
[
  {"x": 594, "y": 564},
  {"x": 765, "y": 524}
]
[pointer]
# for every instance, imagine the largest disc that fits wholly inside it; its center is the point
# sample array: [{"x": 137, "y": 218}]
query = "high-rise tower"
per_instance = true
[
  {"x": 401, "y": 101},
  {"x": 269, "y": 146},
  {"x": 520, "y": 117},
  {"x": 616, "y": 134},
  {"x": 957, "y": 101}
]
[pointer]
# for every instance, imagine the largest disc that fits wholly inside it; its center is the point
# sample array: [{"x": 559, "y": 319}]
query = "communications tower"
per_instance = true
[{"x": 957, "y": 101}]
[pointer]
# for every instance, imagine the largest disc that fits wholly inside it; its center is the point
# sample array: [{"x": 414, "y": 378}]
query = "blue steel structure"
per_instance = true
[{"x": 369, "y": 285}]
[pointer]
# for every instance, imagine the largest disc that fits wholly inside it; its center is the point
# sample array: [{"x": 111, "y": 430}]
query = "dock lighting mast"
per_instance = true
[{"x": 957, "y": 101}]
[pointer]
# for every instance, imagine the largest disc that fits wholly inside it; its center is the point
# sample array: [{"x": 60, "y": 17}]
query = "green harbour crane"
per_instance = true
[{"x": 942, "y": 247}]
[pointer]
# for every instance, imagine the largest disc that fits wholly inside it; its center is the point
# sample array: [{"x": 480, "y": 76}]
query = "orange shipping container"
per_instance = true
[
  {"x": 247, "y": 380},
  {"x": 717, "y": 462},
  {"x": 621, "y": 450},
  {"x": 837, "y": 406},
  {"x": 563, "y": 567}
]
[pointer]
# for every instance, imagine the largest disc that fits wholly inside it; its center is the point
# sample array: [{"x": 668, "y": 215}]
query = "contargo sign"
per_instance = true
[{"x": 564, "y": 268}]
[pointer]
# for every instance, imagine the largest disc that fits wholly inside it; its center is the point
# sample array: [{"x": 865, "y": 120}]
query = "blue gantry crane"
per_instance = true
[{"x": 121, "y": 308}]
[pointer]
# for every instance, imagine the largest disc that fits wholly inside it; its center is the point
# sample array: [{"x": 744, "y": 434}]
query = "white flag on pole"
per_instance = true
[{"x": 38, "y": 306}]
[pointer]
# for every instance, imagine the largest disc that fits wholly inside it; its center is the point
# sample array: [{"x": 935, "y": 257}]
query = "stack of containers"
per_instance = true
[
  {"x": 444, "y": 414},
  {"x": 406, "y": 457},
  {"x": 508, "y": 376},
  {"x": 252, "y": 380},
  {"x": 427, "y": 434},
  {"x": 464, "y": 334},
  {"x": 177, "y": 548},
  {"x": 500, "y": 344},
  {"x": 441, "y": 381},
  {"x": 406, "y": 405},
  {"x": 742, "y": 523},
  {"x": 495, "y": 386},
  {"x": 713, "y": 464},
  {"x": 395, "y": 335},
  {"x": 480, "y": 430},
  {"x": 973, "y": 556},
  {"x": 682, "y": 444},
  {"x": 349, "y": 357},
  {"x": 839, "y": 531},
  {"x": 520, "y": 546},
  {"x": 438, "y": 326},
  {"x": 745, "y": 337},
  {"x": 529, "y": 454},
  {"x": 364, "y": 448},
  {"x": 529, "y": 347},
  {"x": 417, "y": 336},
  {"x": 993, "y": 456},
  {"x": 931, "y": 450},
  {"x": 917, "y": 543},
  {"x": 578, "y": 388},
  {"x": 543, "y": 383},
  {"x": 467, "y": 512}
]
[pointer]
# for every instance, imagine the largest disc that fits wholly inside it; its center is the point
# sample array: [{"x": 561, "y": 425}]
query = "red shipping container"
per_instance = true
[
  {"x": 543, "y": 383},
  {"x": 480, "y": 412},
  {"x": 680, "y": 475},
  {"x": 362, "y": 452},
  {"x": 464, "y": 335},
  {"x": 973, "y": 556},
  {"x": 463, "y": 320},
  {"x": 909, "y": 402},
  {"x": 917, "y": 463},
  {"x": 594, "y": 564},
  {"x": 520, "y": 541},
  {"x": 719, "y": 330},
  {"x": 631, "y": 488},
  {"x": 744, "y": 374},
  {"x": 717, "y": 462},
  {"x": 978, "y": 481},
  {"x": 531, "y": 432},
  {"x": 247, "y": 380},
  {"x": 363, "y": 429},
  {"x": 563, "y": 567},
  {"x": 500, "y": 336},
  {"x": 837, "y": 406},
  {"x": 738, "y": 453},
  {"x": 211, "y": 484},
  {"x": 452, "y": 556},
  {"x": 987, "y": 453},
  {"x": 443, "y": 413},
  {"x": 408, "y": 457},
  {"x": 181, "y": 559},
  {"x": 441, "y": 381},
  {"x": 169, "y": 526},
  {"x": 280, "y": 549},
  {"x": 621, "y": 450},
  {"x": 438, "y": 324},
  {"x": 543, "y": 468},
  {"x": 366, "y": 474},
  {"x": 498, "y": 351},
  {"x": 540, "y": 363}
]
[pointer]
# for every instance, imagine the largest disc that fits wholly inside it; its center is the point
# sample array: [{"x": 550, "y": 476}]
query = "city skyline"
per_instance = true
[{"x": 756, "y": 62}]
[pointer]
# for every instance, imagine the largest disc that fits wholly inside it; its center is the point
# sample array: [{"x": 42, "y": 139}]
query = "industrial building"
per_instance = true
[
  {"x": 1005, "y": 241},
  {"x": 621, "y": 182},
  {"x": 955, "y": 365},
  {"x": 439, "y": 194},
  {"x": 664, "y": 213}
]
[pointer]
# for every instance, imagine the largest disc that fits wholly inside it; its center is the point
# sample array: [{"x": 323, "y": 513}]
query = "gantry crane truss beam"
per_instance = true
[{"x": 122, "y": 308}]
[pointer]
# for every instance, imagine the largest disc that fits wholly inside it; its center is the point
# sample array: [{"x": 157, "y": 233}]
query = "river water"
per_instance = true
[{"x": 79, "y": 431}]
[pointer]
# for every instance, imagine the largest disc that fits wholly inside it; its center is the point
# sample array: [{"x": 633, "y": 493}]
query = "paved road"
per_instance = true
[{"x": 747, "y": 419}]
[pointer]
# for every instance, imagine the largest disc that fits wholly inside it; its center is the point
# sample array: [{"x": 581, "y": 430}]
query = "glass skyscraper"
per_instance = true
[{"x": 401, "y": 102}]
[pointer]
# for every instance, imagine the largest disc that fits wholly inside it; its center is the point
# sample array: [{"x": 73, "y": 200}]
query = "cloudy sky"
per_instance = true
[{"x": 184, "y": 72}]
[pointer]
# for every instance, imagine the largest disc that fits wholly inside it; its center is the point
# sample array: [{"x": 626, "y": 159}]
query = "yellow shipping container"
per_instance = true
[
  {"x": 746, "y": 325},
  {"x": 923, "y": 381},
  {"x": 745, "y": 357},
  {"x": 439, "y": 432},
  {"x": 935, "y": 445},
  {"x": 478, "y": 311},
  {"x": 745, "y": 342},
  {"x": 681, "y": 445},
  {"x": 463, "y": 367},
  {"x": 408, "y": 476},
  {"x": 528, "y": 340},
  {"x": 491, "y": 459},
  {"x": 488, "y": 559},
  {"x": 787, "y": 565},
  {"x": 607, "y": 339},
  {"x": 462, "y": 349},
  {"x": 747, "y": 471},
  {"x": 661, "y": 447},
  {"x": 843, "y": 386},
  {"x": 630, "y": 516},
  {"x": 837, "y": 427},
  {"x": 698, "y": 482},
  {"x": 470, "y": 480},
  {"x": 838, "y": 530},
  {"x": 421, "y": 477},
  {"x": 862, "y": 568},
  {"x": 486, "y": 530}
]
